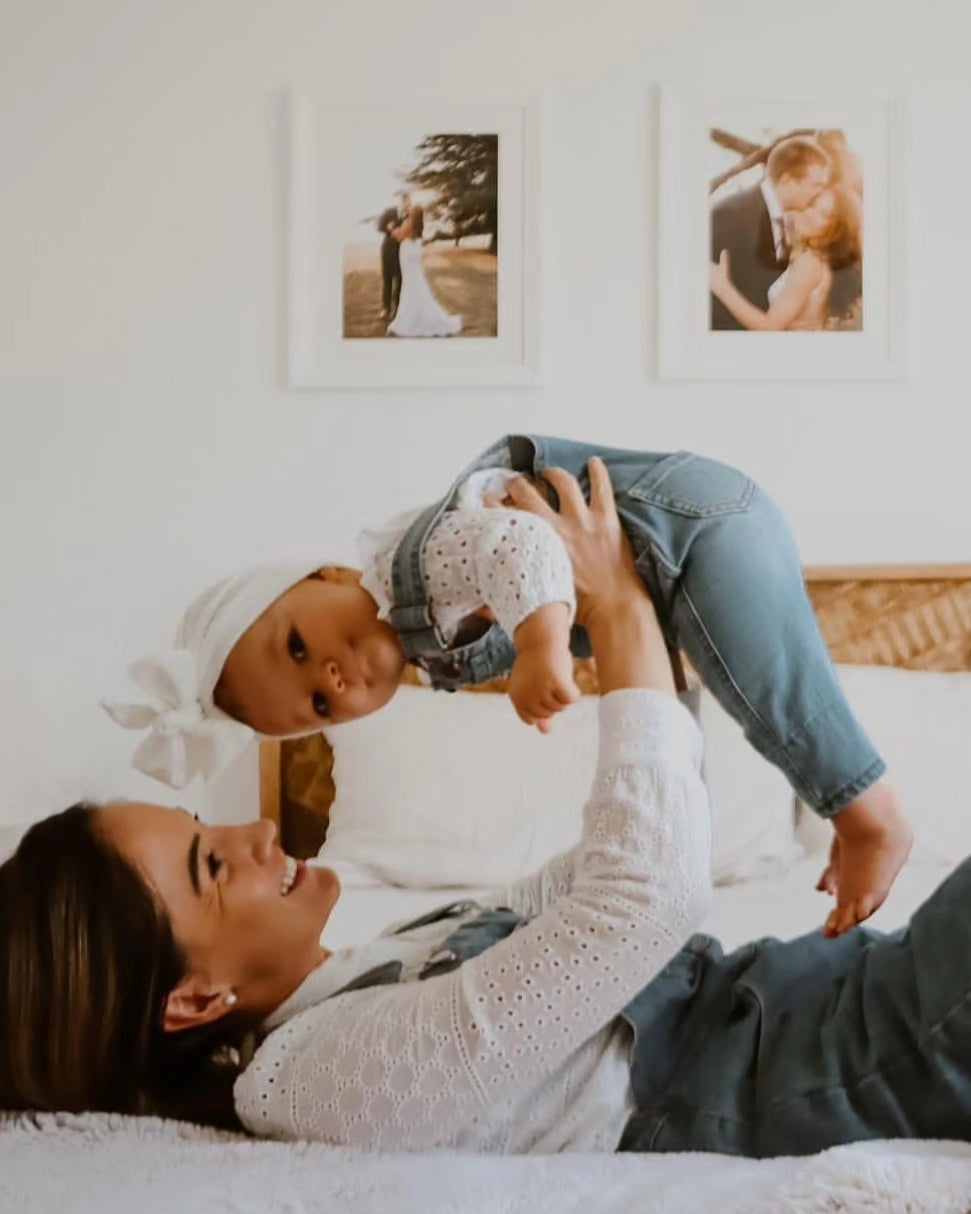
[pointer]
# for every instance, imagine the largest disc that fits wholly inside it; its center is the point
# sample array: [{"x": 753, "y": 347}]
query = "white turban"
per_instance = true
[{"x": 188, "y": 735}]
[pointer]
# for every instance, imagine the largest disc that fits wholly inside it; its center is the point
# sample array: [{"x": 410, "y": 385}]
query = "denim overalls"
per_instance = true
[
  {"x": 725, "y": 577},
  {"x": 786, "y": 1048}
]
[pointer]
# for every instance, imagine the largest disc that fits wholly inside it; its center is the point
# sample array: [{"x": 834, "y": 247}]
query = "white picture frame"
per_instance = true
[
  {"x": 688, "y": 347},
  {"x": 319, "y": 355}
]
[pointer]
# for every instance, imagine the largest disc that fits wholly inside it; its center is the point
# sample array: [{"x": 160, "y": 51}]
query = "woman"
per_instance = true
[
  {"x": 563, "y": 1014},
  {"x": 826, "y": 240},
  {"x": 419, "y": 312}
]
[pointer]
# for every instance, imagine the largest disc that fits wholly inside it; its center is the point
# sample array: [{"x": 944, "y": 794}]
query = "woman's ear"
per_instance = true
[{"x": 194, "y": 1003}]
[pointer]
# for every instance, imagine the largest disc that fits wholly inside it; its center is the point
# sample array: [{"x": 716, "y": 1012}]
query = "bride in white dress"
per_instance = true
[{"x": 419, "y": 312}]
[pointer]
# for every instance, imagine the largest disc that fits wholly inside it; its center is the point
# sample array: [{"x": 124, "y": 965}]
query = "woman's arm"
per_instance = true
[
  {"x": 803, "y": 277},
  {"x": 622, "y": 624},
  {"x": 420, "y": 1065},
  {"x": 417, "y": 1066}
]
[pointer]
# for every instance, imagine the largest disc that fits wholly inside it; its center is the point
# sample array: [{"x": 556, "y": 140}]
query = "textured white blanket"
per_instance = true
[{"x": 115, "y": 1165}]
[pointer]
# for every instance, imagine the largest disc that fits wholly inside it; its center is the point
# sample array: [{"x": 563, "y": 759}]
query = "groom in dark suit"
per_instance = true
[
  {"x": 391, "y": 257},
  {"x": 750, "y": 226}
]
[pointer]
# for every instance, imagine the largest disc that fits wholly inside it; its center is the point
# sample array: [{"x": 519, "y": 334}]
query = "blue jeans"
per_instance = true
[
  {"x": 789, "y": 1048},
  {"x": 731, "y": 591},
  {"x": 725, "y": 576}
]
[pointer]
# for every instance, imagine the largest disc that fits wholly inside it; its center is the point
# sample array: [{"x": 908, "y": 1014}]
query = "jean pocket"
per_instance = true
[{"x": 694, "y": 486}]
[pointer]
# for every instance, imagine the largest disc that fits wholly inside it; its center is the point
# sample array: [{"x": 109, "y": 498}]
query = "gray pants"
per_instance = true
[{"x": 788, "y": 1048}]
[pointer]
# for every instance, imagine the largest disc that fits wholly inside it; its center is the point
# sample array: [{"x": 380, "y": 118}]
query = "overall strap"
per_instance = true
[
  {"x": 451, "y": 910},
  {"x": 381, "y": 975},
  {"x": 411, "y": 616},
  {"x": 471, "y": 937}
]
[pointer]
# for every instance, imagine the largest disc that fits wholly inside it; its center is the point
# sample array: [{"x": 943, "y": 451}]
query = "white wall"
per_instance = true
[{"x": 148, "y": 444}]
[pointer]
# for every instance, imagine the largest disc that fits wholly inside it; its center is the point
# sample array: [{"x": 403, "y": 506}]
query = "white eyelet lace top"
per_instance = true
[
  {"x": 508, "y": 560},
  {"x": 520, "y": 1048}
]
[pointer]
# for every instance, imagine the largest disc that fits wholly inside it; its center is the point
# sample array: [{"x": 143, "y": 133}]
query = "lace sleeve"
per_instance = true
[
  {"x": 532, "y": 894},
  {"x": 420, "y": 1065}
]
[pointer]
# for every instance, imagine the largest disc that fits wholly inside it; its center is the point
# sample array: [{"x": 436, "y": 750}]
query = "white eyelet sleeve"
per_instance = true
[
  {"x": 468, "y": 1059},
  {"x": 531, "y": 895}
]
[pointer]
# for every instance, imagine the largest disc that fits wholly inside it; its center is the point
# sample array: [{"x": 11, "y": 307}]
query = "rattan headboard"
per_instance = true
[{"x": 916, "y": 616}]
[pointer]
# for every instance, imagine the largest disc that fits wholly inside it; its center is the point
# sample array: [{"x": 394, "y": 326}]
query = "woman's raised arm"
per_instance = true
[{"x": 612, "y": 601}]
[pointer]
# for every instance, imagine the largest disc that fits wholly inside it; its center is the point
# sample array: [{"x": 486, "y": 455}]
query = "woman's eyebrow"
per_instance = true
[{"x": 194, "y": 865}]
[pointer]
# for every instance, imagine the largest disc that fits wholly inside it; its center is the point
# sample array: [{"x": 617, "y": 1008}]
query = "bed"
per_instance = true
[{"x": 401, "y": 842}]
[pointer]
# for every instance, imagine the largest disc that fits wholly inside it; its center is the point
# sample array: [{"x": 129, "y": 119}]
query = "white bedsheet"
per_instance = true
[
  {"x": 115, "y": 1165},
  {"x": 783, "y": 905}
]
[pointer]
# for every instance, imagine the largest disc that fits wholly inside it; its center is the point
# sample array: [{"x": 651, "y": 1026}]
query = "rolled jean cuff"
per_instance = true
[
  {"x": 830, "y": 760},
  {"x": 851, "y": 790}
]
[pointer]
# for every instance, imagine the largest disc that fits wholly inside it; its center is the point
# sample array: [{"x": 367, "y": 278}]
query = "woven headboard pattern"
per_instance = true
[{"x": 908, "y": 616}]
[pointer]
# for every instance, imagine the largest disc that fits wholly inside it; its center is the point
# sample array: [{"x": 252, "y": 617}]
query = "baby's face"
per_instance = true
[{"x": 317, "y": 656}]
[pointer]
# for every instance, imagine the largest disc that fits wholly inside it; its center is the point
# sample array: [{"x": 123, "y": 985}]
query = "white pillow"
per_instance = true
[
  {"x": 920, "y": 722},
  {"x": 449, "y": 790},
  {"x": 753, "y": 805}
]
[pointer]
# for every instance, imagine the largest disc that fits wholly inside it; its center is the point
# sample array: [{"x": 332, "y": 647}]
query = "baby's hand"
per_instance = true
[{"x": 541, "y": 683}]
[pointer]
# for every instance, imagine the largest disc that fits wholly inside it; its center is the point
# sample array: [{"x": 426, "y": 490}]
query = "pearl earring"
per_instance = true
[{"x": 231, "y": 998}]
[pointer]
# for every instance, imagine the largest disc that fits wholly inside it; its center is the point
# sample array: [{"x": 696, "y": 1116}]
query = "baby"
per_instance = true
[{"x": 467, "y": 591}]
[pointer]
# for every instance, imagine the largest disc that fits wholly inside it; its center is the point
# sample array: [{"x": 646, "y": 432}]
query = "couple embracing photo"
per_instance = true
[{"x": 787, "y": 235}]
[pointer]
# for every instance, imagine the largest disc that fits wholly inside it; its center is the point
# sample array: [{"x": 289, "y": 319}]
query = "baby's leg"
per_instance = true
[{"x": 742, "y": 615}]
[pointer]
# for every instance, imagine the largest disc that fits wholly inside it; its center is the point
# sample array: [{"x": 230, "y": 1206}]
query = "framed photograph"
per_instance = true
[
  {"x": 781, "y": 239},
  {"x": 414, "y": 245}
]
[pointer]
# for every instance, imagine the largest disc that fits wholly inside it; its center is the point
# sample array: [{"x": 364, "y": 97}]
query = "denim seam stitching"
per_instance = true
[
  {"x": 852, "y": 789},
  {"x": 709, "y": 643},
  {"x": 692, "y": 509},
  {"x": 675, "y": 461}
]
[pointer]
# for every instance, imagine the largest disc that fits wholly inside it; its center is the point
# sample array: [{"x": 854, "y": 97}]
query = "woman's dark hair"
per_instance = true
[
  {"x": 87, "y": 960},
  {"x": 417, "y": 217}
]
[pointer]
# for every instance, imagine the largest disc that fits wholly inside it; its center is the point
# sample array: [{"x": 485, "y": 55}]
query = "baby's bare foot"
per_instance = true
[{"x": 873, "y": 839}]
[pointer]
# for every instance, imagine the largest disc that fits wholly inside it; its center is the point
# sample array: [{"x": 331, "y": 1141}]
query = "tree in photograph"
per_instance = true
[{"x": 462, "y": 171}]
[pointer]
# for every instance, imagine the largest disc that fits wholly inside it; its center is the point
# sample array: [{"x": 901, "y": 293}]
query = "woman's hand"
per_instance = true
[
  {"x": 603, "y": 564},
  {"x": 612, "y": 601},
  {"x": 721, "y": 279}
]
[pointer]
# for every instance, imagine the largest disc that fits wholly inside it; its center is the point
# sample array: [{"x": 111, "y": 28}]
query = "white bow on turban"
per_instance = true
[{"x": 188, "y": 735}]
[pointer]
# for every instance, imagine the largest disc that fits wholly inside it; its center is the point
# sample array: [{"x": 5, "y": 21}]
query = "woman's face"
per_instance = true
[
  {"x": 815, "y": 219},
  {"x": 245, "y": 926}
]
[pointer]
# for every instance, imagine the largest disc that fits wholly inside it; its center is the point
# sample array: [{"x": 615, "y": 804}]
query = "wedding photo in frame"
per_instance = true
[
  {"x": 414, "y": 245},
  {"x": 780, "y": 238}
]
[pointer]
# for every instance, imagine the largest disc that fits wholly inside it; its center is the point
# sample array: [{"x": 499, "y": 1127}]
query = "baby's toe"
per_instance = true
[
  {"x": 841, "y": 920},
  {"x": 827, "y": 881}
]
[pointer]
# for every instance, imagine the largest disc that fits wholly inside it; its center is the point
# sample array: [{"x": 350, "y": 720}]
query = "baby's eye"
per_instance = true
[
  {"x": 295, "y": 646},
  {"x": 214, "y": 864},
  {"x": 321, "y": 707}
]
